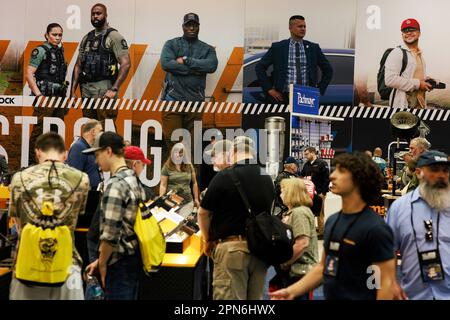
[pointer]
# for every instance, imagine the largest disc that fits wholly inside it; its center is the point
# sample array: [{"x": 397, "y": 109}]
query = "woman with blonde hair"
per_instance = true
[
  {"x": 178, "y": 174},
  {"x": 301, "y": 219}
]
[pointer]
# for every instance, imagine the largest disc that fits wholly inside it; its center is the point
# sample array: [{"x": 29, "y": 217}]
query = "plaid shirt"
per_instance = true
[
  {"x": 292, "y": 71},
  {"x": 118, "y": 213}
]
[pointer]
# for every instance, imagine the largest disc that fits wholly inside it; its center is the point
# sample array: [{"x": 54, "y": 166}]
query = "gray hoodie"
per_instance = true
[{"x": 187, "y": 82}]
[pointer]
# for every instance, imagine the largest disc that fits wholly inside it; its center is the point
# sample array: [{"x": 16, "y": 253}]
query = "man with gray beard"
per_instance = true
[
  {"x": 417, "y": 146},
  {"x": 420, "y": 221}
]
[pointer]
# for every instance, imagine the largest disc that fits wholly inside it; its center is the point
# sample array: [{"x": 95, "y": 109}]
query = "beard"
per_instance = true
[
  {"x": 437, "y": 196},
  {"x": 98, "y": 23}
]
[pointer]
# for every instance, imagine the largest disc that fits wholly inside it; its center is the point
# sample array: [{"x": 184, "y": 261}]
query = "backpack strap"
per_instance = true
[
  {"x": 140, "y": 203},
  {"x": 238, "y": 185},
  {"x": 404, "y": 64},
  {"x": 34, "y": 202},
  {"x": 404, "y": 60},
  {"x": 131, "y": 189}
]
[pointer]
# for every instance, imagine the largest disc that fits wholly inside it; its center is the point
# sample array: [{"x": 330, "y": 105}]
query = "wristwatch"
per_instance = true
[
  {"x": 184, "y": 59},
  {"x": 114, "y": 89}
]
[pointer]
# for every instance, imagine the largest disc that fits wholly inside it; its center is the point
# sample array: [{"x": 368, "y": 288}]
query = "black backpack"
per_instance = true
[
  {"x": 268, "y": 238},
  {"x": 384, "y": 90}
]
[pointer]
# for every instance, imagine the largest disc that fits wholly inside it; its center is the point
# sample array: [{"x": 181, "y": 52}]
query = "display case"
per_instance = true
[
  {"x": 312, "y": 131},
  {"x": 326, "y": 150},
  {"x": 183, "y": 269}
]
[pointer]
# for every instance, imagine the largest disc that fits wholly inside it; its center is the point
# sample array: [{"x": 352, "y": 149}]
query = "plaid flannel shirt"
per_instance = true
[
  {"x": 292, "y": 71},
  {"x": 118, "y": 213}
]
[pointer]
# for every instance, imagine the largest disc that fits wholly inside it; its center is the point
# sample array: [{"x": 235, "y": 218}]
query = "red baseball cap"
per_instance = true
[
  {"x": 410, "y": 23},
  {"x": 135, "y": 153}
]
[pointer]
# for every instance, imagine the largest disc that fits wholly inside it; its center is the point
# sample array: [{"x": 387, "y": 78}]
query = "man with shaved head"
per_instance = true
[
  {"x": 103, "y": 63},
  {"x": 377, "y": 157}
]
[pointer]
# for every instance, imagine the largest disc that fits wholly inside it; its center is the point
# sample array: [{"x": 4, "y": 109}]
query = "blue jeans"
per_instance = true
[{"x": 122, "y": 278}]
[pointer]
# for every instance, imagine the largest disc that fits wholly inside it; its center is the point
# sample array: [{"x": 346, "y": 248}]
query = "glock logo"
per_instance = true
[{"x": 6, "y": 100}]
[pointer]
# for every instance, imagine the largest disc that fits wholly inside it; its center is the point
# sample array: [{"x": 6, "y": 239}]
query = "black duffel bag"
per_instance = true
[{"x": 268, "y": 238}]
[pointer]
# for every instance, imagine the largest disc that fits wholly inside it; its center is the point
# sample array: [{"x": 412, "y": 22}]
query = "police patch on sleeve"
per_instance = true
[
  {"x": 34, "y": 53},
  {"x": 124, "y": 44}
]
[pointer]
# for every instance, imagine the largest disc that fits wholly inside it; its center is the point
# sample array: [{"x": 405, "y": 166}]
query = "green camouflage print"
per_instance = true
[{"x": 67, "y": 206}]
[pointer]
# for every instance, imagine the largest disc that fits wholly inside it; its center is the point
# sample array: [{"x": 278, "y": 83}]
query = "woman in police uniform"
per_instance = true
[
  {"x": 46, "y": 76},
  {"x": 46, "y": 72}
]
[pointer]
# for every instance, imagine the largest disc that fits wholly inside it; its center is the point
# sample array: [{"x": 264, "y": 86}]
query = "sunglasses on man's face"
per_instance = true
[
  {"x": 406, "y": 30},
  {"x": 429, "y": 227}
]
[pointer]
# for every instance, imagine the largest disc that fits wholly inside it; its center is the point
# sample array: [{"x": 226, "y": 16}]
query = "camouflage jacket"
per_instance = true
[{"x": 68, "y": 193}]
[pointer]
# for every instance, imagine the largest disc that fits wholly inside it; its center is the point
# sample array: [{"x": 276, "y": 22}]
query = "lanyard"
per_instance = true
[
  {"x": 348, "y": 228},
  {"x": 414, "y": 230}
]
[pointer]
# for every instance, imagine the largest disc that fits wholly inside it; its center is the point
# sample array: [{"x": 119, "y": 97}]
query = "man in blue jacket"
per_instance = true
[
  {"x": 294, "y": 61},
  {"x": 86, "y": 162},
  {"x": 187, "y": 61}
]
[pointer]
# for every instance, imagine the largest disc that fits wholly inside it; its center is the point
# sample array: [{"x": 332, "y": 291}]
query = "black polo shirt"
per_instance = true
[
  {"x": 222, "y": 199},
  {"x": 368, "y": 240},
  {"x": 320, "y": 174}
]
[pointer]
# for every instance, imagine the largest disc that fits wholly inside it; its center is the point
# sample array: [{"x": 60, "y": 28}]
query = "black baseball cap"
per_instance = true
[
  {"x": 432, "y": 157},
  {"x": 290, "y": 160},
  {"x": 188, "y": 17},
  {"x": 105, "y": 140}
]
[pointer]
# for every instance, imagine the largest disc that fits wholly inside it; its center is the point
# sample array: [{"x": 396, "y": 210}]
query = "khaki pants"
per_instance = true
[
  {"x": 179, "y": 120},
  {"x": 97, "y": 90},
  {"x": 320, "y": 222},
  {"x": 238, "y": 275}
]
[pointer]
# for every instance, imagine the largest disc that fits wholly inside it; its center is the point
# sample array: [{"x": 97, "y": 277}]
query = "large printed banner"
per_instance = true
[
  {"x": 378, "y": 29},
  {"x": 330, "y": 24},
  {"x": 145, "y": 25},
  {"x": 139, "y": 122}
]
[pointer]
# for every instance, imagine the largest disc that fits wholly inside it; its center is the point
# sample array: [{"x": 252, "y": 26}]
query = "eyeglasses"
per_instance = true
[{"x": 429, "y": 227}]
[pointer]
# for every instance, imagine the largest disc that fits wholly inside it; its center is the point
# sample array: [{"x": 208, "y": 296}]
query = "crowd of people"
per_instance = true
[
  {"x": 360, "y": 248},
  {"x": 406, "y": 179}
]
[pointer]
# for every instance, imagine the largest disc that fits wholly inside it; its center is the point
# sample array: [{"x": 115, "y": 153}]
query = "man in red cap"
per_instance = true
[
  {"x": 405, "y": 70},
  {"x": 136, "y": 161}
]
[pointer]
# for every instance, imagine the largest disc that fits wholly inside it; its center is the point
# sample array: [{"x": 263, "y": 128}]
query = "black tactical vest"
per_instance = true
[
  {"x": 98, "y": 62},
  {"x": 53, "y": 68}
]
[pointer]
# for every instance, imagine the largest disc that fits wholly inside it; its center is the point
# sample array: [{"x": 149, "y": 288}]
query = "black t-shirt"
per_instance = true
[
  {"x": 207, "y": 173},
  {"x": 319, "y": 173},
  {"x": 368, "y": 241},
  {"x": 223, "y": 200}
]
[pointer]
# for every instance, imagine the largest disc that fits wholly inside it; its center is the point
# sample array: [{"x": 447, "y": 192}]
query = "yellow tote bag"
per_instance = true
[{"x": 152, "y": 244}]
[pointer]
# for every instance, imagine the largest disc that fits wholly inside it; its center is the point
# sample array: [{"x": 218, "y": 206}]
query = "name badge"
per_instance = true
[
  {"x": 331, "y": 266},
  {"x": 431, "y": 266}
]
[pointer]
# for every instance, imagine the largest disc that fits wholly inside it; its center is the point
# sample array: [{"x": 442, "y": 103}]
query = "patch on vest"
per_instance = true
[
  {"x": 124, "y": 44},
  {"x": 35, "y": 52}
]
